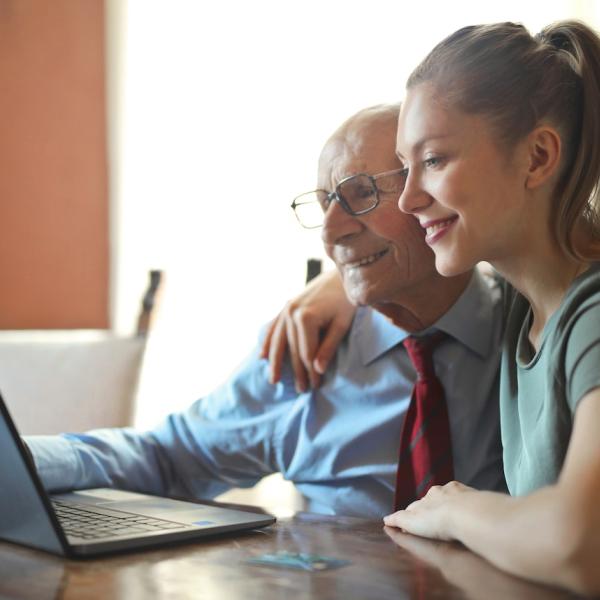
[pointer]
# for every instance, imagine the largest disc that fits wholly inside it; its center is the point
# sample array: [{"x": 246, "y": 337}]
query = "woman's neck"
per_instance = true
[{"x": 543, "y": 278}]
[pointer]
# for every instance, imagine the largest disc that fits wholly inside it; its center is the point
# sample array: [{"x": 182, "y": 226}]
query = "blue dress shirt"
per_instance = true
[{"x": 338, "y": 444}]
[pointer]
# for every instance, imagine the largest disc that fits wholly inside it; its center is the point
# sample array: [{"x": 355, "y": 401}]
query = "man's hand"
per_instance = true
[{"x": 310, "y": 327}]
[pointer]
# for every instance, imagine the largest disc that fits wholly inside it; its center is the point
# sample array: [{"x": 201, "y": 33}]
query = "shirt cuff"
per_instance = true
[{"x": 55, "y": 460}]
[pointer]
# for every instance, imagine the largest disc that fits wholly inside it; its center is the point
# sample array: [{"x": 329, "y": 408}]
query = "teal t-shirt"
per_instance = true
[{"x": 539, "y": 392}]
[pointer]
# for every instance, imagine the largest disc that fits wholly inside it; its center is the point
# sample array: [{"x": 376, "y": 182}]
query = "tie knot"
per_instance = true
[{"x": 420, "y": 351}]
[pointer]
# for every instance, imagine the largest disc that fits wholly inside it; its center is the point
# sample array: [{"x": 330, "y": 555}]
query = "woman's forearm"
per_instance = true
[{"x": 541, "y": 536}]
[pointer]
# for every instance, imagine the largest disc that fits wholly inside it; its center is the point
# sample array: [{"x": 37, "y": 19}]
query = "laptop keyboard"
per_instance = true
[{"x": 92, "y": 522}]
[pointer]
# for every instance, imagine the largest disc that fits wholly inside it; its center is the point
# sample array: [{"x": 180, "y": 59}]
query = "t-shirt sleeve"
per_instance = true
[{"x": 582, "y": 364}]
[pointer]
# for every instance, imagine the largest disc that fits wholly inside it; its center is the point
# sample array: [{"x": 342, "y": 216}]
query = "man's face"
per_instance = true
[{"x": 382, "y": 256}]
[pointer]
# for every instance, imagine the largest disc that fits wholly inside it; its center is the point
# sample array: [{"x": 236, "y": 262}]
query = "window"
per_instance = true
[{"x": 218, "y": 111}]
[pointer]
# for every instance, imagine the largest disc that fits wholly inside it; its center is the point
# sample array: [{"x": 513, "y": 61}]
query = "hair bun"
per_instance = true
[{"x": 559, "y": 40}]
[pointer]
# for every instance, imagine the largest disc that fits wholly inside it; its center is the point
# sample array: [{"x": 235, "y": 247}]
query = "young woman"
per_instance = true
[{"x": 499, "y": 135}]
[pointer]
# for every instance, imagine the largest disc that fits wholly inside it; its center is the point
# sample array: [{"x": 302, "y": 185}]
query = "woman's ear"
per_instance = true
[{"x": 544, "y": 153}]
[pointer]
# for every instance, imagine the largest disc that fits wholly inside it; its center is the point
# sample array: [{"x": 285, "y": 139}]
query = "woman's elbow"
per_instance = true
[{"x": 579, "y": 568}]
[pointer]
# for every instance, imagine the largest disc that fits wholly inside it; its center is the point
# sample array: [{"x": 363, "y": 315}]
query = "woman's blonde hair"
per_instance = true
[{"x": 517, "y": 81}]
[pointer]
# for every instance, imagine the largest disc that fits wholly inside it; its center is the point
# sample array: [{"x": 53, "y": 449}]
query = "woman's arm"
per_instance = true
[
  {"x": 310, "y": 327},
  {"x": 551, "y": 536}
]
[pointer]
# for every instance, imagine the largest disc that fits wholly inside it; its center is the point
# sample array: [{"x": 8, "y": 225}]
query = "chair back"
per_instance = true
[{"x": 60, "y": 381}]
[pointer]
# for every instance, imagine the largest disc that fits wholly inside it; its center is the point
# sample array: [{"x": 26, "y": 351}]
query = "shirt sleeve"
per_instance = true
[
  {"x": 583, "y": 354},
  {"x": 225, "y": 439}
]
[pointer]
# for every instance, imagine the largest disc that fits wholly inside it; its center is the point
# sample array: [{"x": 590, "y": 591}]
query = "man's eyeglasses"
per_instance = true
[{"x": 357, "y": 195}]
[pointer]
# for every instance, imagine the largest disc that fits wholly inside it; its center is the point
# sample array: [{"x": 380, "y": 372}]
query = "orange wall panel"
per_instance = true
[{"x": 54, "y": 232}]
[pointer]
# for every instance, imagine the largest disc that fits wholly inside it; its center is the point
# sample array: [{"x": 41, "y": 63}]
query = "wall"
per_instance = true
[{"x": 54, "y": 239}]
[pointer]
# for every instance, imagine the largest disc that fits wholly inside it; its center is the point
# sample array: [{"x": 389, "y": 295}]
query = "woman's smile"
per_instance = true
[{"x": 437, "y": 228}]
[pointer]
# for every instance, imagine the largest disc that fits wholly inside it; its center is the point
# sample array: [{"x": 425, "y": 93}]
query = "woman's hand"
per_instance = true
[
  {"x": 431, "y": 515},
  {"x": 310, "y": 327}
]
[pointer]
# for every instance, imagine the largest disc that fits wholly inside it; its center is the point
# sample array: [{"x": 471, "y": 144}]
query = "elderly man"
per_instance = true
[{"x": 338, "y": 443}]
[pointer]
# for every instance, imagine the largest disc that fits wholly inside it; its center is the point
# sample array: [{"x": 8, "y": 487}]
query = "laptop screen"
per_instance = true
[{"x": 24, "y": 517}]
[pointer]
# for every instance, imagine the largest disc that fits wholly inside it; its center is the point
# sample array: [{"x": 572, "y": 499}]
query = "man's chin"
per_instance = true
[{"x": 360, "y": 297}]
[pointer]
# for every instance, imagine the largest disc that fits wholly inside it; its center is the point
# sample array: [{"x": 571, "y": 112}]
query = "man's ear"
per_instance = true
[{"x": 544, "y": 149}]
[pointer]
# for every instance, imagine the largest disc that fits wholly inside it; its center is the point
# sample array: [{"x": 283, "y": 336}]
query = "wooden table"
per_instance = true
[{"x": 381, "y": 567}]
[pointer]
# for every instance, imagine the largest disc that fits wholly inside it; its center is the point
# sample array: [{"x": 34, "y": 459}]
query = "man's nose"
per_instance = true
[
  {"x": 413, "y": 197},
  {"x": 337, "y": 223}
]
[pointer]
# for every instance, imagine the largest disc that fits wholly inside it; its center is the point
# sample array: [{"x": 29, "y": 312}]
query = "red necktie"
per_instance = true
[{"x": 425, "y": 444}]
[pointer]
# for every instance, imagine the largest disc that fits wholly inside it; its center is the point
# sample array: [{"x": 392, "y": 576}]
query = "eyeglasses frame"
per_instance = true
[{"x": 335, "y": 195}]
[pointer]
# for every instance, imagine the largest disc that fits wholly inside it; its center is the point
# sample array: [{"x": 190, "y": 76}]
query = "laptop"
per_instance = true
[{"x": 97, "y": 521}]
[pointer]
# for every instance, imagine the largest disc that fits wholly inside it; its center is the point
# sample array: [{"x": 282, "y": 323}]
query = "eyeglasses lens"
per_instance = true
[
  {"x": 309, "y": 209},
  {"x": 359, "y": 193}
]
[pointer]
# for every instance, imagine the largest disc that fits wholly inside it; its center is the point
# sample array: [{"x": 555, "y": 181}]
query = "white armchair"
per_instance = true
[{"x": 56, "y": 381}]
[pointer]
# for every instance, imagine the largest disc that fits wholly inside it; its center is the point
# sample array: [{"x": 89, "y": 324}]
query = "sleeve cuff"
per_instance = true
[{"x": 55, "y": 460}]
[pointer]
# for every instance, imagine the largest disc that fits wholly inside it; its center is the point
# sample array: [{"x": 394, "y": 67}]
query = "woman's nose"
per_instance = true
[{"x": 413, "y": 197}]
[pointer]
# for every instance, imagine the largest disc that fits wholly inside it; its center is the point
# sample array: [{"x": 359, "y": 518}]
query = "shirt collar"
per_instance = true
[{"x": 469, "y": 320}]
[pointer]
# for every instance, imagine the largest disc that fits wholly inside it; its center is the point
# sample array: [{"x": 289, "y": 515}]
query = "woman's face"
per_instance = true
[{"x": 466, "y": 192}]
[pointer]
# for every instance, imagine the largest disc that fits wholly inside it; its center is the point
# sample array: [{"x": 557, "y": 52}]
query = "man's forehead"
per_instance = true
[
  {"x": 340, "y": 162},
  {"x": 356, "y": 150}
]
